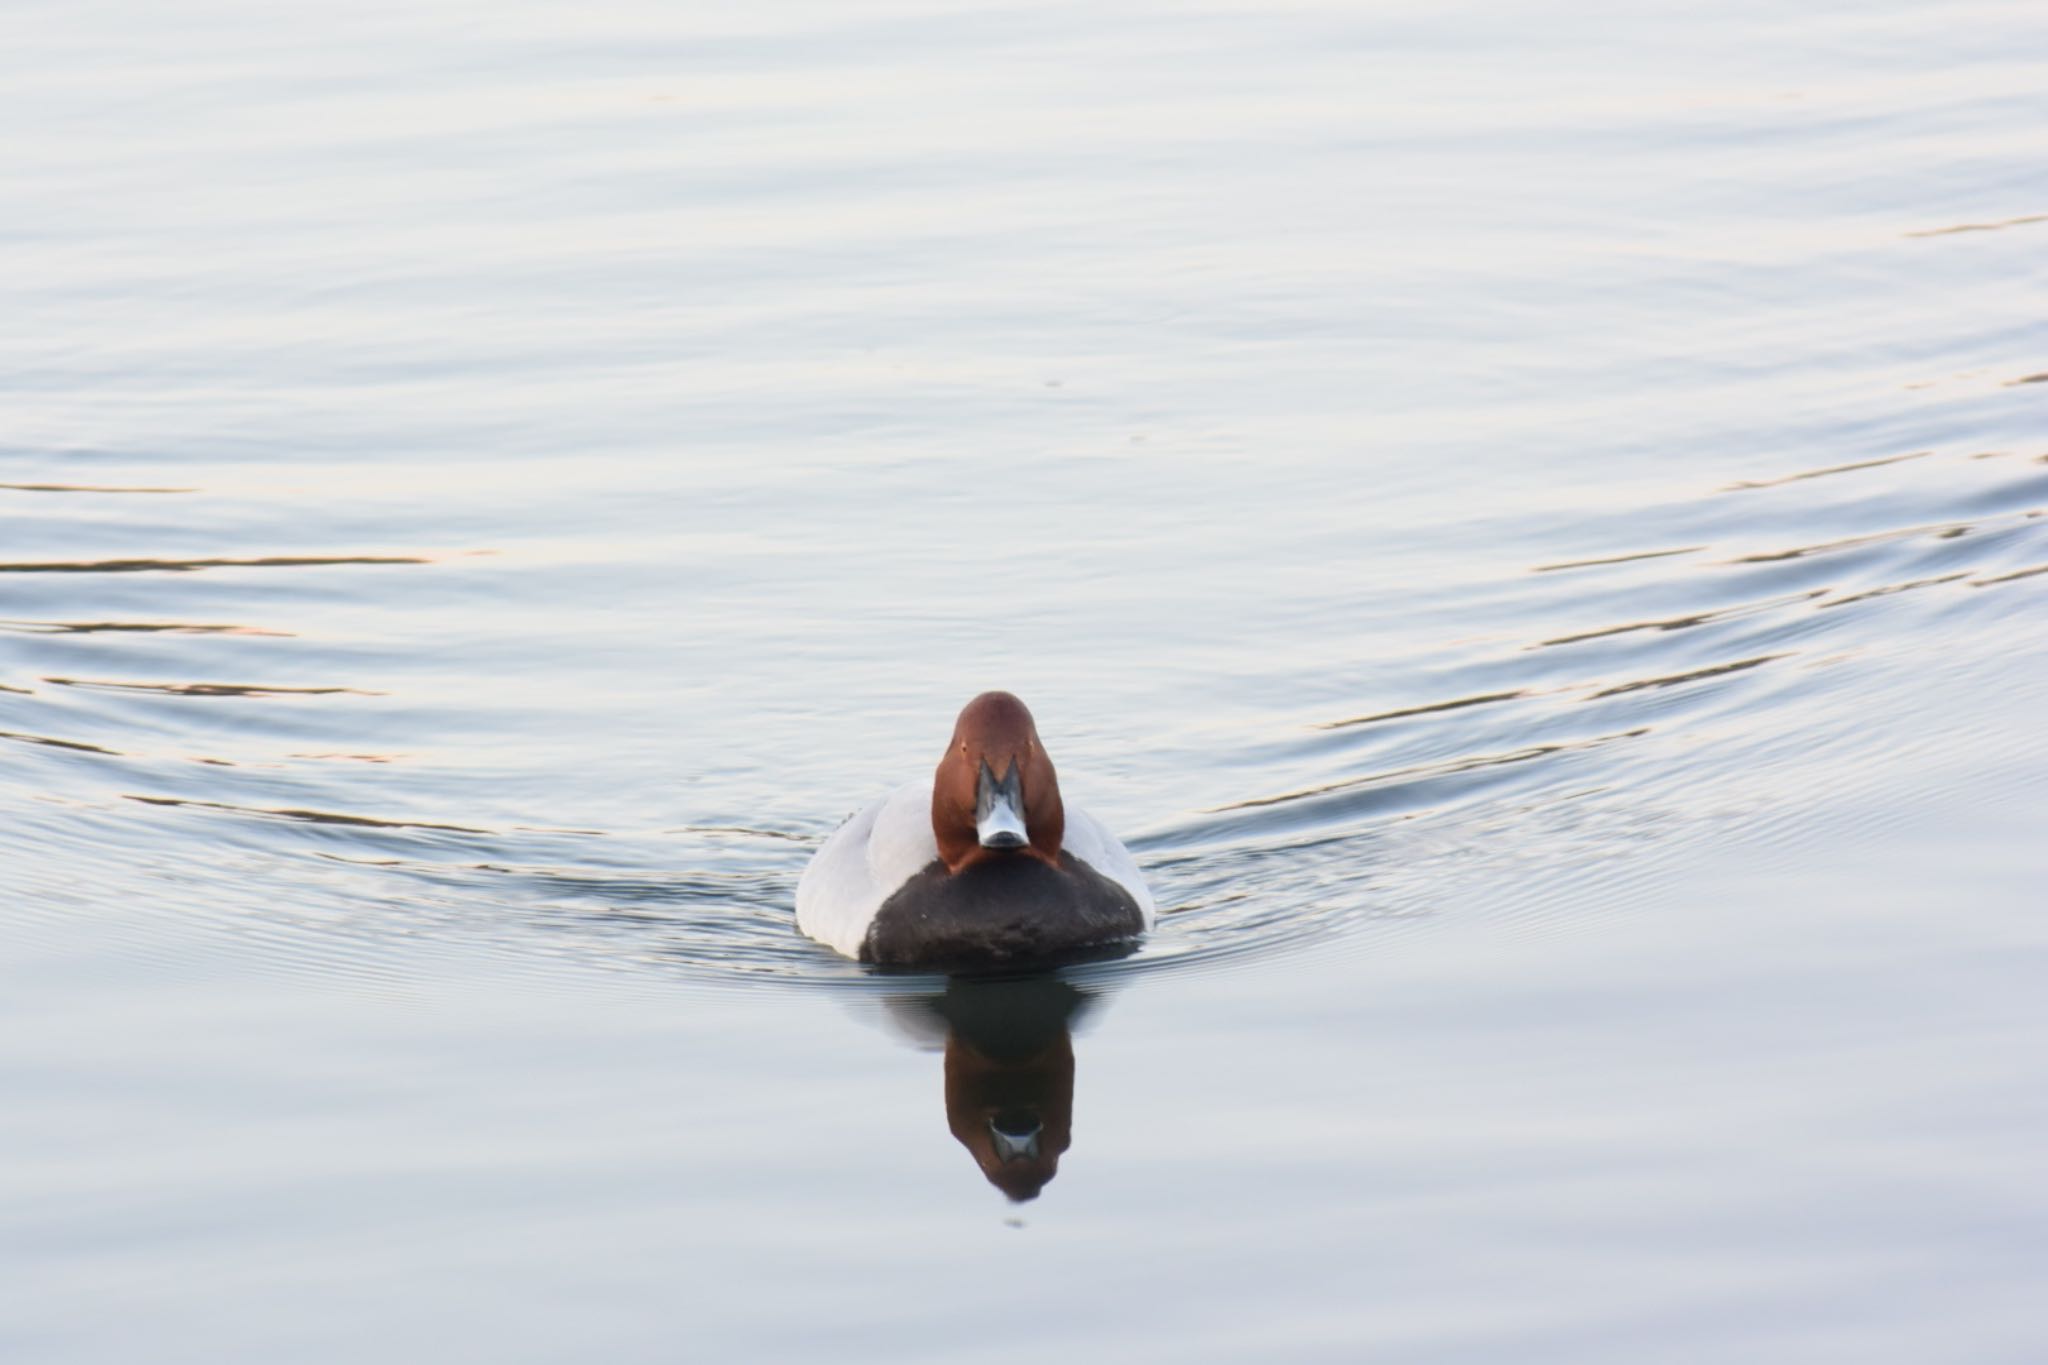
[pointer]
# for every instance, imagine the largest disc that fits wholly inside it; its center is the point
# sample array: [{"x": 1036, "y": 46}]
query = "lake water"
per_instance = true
[{"x": 1531, "y": 519}]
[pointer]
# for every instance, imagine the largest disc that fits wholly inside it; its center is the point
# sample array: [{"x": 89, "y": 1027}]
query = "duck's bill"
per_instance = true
[
  {"x": 1014, "y": 1137},
  {"x": 999, "y": 810}
]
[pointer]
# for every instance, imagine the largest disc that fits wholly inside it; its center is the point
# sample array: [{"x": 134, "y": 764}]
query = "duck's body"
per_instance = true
[{"x": 974, "y": 867}]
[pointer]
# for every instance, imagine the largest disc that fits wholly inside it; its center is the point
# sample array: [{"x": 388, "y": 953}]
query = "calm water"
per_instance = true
[{"x": 1532, "y": 520}]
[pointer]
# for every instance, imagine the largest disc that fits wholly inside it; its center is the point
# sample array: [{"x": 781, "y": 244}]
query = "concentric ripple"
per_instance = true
[{"x": 369, "y": 811}]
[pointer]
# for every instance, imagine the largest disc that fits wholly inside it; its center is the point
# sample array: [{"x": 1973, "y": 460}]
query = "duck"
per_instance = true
[{"x": 982, "y": 863}]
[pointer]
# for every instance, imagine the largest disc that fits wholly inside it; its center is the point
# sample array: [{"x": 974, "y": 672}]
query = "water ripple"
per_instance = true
[
  {"x": 317, "y": 817},
  {"x": 1428, "y": 708},
  {"x": 1699, "y": 618},
  {"x": 601, "y": 749},
  {"x": 2021, "y": 221},
  {"x": 85, "y": 488},
  {"x": 1630, "y": 558},
  {"x": 135, "y": 628},
  {"x": 1457, "y": 787},
  {"x": 211, "y": 689},
  {"x": 77, "y": 746},
  {"x": 193, "y": 565},
  {"x": 1850, "y": 468},
  {"x": 1692, "y": 675}
]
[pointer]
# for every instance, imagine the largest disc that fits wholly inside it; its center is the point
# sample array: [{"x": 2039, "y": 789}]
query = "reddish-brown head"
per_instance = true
[{"x": 995, "y": 794}]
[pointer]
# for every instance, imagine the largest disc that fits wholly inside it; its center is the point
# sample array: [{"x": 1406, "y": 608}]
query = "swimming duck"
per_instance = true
[{"x": 982, "y": 863}]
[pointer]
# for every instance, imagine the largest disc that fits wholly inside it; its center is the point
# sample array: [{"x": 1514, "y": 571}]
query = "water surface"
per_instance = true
[{"x": 1533, "y": 522}]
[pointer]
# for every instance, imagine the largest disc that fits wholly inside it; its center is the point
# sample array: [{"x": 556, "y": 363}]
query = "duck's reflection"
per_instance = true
[{"x": 1009, "y": 1070}]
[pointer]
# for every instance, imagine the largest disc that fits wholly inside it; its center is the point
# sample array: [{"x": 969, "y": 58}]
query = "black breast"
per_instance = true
[{"x": 1001, "y": 910}]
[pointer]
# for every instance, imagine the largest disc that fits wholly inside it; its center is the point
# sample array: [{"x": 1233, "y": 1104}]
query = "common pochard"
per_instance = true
[{"x": 980, "y": 863}]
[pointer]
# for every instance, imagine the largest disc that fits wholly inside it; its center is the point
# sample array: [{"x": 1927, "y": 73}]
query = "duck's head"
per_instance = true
[{"x": 995, "y": 794}]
